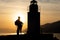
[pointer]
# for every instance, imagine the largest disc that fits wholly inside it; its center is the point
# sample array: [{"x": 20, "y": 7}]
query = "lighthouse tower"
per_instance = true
[{"x": 33, "y": 19}]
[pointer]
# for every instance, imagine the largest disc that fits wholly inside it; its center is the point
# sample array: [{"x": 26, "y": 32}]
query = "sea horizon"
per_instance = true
[{"x": 6, "y": 34}]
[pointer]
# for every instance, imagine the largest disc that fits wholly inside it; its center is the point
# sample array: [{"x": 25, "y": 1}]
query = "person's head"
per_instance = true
[{"x": 18, "y": 17}]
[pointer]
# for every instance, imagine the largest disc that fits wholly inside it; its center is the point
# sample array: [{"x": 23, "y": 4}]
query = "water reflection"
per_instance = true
[{"x": 5, "y": 34}]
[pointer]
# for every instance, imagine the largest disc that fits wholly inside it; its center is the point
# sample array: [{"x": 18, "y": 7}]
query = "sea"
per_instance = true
[{"x": 5, "y": 34}]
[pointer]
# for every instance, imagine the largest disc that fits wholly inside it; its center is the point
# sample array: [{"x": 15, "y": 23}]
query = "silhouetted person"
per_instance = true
[{"x": 19, "y": 24}]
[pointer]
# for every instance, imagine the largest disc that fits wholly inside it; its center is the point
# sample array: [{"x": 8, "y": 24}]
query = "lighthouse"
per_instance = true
[{"x": 33, "y": 19}]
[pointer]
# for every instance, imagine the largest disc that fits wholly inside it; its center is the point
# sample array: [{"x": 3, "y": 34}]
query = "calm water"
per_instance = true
[{"x": 5, "y": 34}]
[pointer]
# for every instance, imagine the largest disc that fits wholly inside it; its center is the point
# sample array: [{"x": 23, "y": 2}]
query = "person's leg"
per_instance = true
[
  {"x": 20, "y": 29},
  {"x": 17, "y": 31}
]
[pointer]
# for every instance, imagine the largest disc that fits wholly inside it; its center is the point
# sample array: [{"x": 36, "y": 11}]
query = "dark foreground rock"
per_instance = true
[{"x": 26, "y": 37}]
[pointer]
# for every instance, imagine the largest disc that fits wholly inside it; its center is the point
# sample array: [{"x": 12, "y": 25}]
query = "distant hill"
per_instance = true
[{"x": 51, "y": 27}]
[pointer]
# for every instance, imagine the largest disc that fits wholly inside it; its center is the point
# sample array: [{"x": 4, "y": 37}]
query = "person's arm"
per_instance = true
[
  {"x": 22, "y": 23},
  {"x": 16, "y": 22}
]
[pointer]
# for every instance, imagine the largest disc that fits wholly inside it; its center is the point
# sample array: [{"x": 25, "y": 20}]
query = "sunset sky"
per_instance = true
[{"x": 11, "y": 9}]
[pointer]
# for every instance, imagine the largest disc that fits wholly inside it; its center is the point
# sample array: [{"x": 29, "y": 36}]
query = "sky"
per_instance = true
[
  {"x": 10, "y": 9},
  {"x": 50, "y": 11}
]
